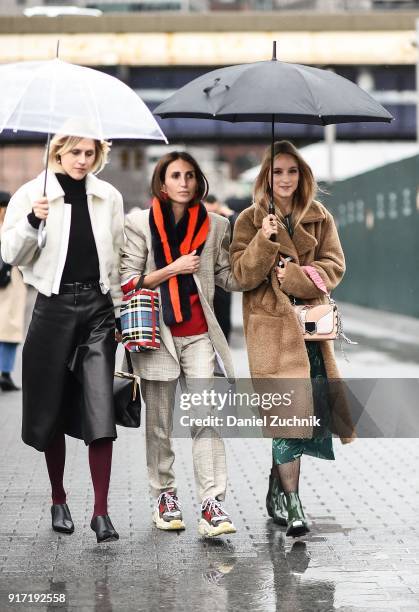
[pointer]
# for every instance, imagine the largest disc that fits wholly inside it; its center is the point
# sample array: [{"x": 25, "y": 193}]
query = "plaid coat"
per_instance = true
[{"x": 137, "y": 257}]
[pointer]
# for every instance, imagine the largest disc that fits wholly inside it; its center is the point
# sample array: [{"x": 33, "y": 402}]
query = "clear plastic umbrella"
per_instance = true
[{"x": 55, "y": 97}]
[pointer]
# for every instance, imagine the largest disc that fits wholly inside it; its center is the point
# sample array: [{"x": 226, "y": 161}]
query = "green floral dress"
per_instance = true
[{"x": 320, "y": 445}]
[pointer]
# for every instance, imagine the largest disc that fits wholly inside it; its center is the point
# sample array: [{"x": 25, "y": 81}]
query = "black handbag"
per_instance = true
[{"x": 127, "y": 397}]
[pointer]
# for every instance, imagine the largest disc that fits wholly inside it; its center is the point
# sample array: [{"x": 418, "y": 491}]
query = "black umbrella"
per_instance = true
[{"x": 273, "y": 91}]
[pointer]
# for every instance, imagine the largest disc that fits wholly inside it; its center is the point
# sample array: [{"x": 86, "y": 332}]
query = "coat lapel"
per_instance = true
[
  {"x": 165, "y": 333},
  {"x": 96, "y": 187},
  {"x": 303, "y": 240},
  {"x": 287, "y": 244},
  {"x": 53, "y": 188}
]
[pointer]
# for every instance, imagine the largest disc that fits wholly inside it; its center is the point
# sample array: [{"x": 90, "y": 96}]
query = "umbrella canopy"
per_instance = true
[
  {"x": 273, "y": 91},
  {"x": 57, "y": 97}
]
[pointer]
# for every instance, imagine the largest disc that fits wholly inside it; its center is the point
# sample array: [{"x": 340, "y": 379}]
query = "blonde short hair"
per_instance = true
[
  {"x": 307, "y": 186},
  {"x": 60, "y": 145}
]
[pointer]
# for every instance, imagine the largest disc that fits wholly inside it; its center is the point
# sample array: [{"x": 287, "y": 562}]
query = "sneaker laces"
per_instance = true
[
  {"x": 170, "y": 500},
  {"x": 213, "y": 506}
]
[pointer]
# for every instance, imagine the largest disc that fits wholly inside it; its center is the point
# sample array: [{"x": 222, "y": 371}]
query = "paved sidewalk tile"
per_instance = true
[{"x": 362, "y": 552}]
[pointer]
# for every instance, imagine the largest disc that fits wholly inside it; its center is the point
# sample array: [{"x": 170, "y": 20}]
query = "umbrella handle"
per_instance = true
[
  {"x": 272, "y": 237},
  {"x": 271, "y": 211},
  {"x": 42, "y": 231}
]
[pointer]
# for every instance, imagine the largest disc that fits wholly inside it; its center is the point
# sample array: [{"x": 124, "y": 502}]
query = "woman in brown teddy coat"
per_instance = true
[{"x": 267, "y": 254}]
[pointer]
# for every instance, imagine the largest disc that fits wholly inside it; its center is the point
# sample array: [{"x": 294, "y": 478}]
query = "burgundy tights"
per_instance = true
[
  {"x": 55, "y": 458},
  {"x": 100, "y": 461}
]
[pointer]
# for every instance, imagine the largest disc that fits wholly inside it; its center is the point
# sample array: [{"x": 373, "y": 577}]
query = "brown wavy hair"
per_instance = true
[
  {"x": 307, "y": 188},
  {"x": 159, "y": 174}
]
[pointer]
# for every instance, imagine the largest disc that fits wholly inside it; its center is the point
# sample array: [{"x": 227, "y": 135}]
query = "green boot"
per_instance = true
[
  {"x": 297, "y": 524},
  {"x": 275, "y": 501}
]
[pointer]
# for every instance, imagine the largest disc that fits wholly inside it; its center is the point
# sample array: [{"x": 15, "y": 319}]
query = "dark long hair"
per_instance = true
[{"x": 159, "y": 174}]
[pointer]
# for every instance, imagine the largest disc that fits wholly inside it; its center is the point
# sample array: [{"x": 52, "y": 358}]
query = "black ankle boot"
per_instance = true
[
  {"x": 6, "y": 382},
  {"x": 61, "y": 518},
  {"x": 103, "y": 528}
]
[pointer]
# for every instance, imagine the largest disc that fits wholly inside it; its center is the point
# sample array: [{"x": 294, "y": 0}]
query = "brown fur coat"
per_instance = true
[{"x": 275, "y": 345}]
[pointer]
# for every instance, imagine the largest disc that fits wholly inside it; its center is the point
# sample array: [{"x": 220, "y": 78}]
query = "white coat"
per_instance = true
[{"x": 43, "y": 268}]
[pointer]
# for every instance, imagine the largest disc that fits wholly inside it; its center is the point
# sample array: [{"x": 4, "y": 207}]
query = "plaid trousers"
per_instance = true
[{"x": 197, "y": 358}]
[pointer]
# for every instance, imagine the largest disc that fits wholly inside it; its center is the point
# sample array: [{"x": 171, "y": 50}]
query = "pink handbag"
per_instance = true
[{"x": 320, "y": 321}]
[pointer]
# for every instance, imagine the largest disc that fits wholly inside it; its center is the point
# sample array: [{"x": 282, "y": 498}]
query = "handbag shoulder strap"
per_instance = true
[
  {"x": 128, "y": 286},
  {"x": 317, "y": 279},
  {"x": 129, "y": 362},
  {"x": 139, "y": 285}
]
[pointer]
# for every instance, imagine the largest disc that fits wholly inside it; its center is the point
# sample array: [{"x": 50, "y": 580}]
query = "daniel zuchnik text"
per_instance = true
[
  {"x": 271, "y": 420},
  {"x": 214, "y": 400}
]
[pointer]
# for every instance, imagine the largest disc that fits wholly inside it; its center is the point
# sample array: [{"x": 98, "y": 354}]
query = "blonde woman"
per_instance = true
[
  {"x": 77, "y": 278},
  {"x": 267, "y": 254}
]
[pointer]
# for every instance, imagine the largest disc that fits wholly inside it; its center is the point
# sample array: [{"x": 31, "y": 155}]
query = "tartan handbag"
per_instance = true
[{"x": 140, "y": 318}]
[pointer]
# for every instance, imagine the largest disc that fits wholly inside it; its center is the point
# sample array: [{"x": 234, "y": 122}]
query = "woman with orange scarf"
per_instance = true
[{"x": 182, "y": 251}]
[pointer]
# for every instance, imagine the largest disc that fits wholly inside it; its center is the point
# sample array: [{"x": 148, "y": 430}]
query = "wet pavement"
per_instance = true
[{"x": 362, "y": 552}]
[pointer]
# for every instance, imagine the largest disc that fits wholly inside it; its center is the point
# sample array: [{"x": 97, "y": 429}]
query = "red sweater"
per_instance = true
[{"x": 196, "y": 325}]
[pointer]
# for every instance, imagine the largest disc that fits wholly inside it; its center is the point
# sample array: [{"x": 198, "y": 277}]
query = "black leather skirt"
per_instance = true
[{"x": 68, "y": 366}]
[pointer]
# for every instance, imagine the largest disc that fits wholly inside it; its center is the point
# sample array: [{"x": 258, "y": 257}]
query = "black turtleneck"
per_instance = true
[{"x": 82, "y": 263}]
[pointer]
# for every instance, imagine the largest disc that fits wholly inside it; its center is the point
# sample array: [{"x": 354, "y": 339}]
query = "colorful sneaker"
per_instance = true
[
  {"x": 167, "y": 514},
  {"x": 214, "y": 519}
]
